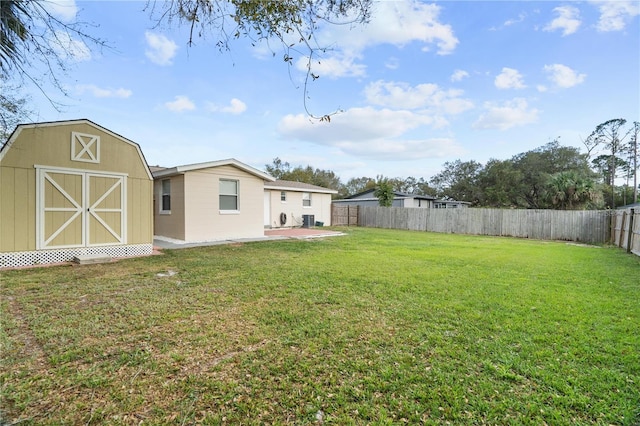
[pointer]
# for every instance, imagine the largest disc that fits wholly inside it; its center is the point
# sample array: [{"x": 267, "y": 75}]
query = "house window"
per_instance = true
[
  {"x": 306, "y": 199},
  {"x": 228, "y": 195},
  {"x": 283, "y": 197},
  {"x": 166, "y": 196}
]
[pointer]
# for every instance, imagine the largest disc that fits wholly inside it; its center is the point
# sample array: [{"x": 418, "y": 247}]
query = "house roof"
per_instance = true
[
  {"x": 16, "y": 132},
  {"x": 290, "y": 185},
  {"x": 629, "y": 206},
  {"x": 396, "y": 195},
  {"x": 156, "y": 168},
  {"x": 177, "y": 170}
]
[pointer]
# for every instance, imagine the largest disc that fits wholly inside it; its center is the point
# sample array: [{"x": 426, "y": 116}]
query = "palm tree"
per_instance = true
[{"x": 569, "y": 191}]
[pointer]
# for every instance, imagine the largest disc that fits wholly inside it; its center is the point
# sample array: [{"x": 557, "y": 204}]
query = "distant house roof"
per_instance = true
[
  {"x": 368, "y": 194},
  {"x": 629, "y": 206},
  {"x": 289, "y": 185},
  {"x": 170, "y": 171}
]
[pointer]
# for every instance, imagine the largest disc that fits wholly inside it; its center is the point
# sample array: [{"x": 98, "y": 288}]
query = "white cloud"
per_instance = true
[
  {"x": 235, "y": 107},
  {"x": 459, "y": 75},
  {"x": 506, "y": 115},
  {"x": 562, "y": 76},
  {"x": 392, "y": 63},
  {"x": 568, "y": 20},
  {"x": 99, "y": 92},
  {"x": 509, "y": 78},
  {"x": 519, "y": 19},
  {"x": 397, "y": 23},
  {"x": 371, "y": 133},
  {"x": 181, "y": 103},
  {"x": 64, "y": 10},
  {"x": 333, "y": 67},
  {"x": 160, "y": 50},
  {"x": 431, "y": 97},
  {"x": 614, "y": 15},
  {"x": 509, "y": 22}
]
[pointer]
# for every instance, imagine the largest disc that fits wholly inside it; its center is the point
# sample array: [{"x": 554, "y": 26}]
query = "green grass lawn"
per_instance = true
[{"x": 375, "y": 327}]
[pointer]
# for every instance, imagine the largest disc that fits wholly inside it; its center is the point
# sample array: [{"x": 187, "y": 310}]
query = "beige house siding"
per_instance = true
[
  {"x": 51, "y": 150},
  {"x": 294, "y": 210},
  {"x": 172, "y": 224},
  {"x": 195, "y": 213}
]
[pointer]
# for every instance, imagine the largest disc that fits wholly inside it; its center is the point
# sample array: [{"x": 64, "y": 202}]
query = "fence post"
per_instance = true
[{"x": 630, "y": 235}]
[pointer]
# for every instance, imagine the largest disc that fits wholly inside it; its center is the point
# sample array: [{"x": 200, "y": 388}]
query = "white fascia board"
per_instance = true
[{"x": 212, "y": 164}]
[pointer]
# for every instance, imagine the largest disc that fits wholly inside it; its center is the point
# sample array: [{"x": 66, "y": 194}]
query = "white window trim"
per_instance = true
[
  {"x": 285, "y": 197},
  {"x": 310, "y": 206},
  {"x": 161, "y": 204},
  {"x": 88, "y": 144},
  {"x": 237, "y": 211}
]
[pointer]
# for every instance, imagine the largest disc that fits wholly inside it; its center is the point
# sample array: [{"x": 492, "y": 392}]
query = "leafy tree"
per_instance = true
[
  {"x": 458, "y": 181},
  {"x": 356, "y": 185},
  {"x": 536, "y": 168},
  {"x": 283, "y": 170},
  {"x": 423, "y": 188},
  {"x": 607, "y": 169},
  {"x": 498, "y": 183},
  {"x": 610, "y": 136},
  {"x": 278, "y": 169},
  {"x": 384, "y": 191},
  {"x": 633, "y": 154}
]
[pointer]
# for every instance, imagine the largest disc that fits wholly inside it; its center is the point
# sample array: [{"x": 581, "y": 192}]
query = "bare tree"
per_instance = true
[{"x": 13, "y": 110}]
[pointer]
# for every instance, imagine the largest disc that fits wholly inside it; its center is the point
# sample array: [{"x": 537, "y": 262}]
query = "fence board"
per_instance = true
[
  {"x": 625, "y": 229},
  {"x": 588, "y": 226}
]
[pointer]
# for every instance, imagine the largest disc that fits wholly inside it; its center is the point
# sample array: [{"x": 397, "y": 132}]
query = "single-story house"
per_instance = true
[
  {"x": 400, "y": 199},
  {"x": 210, "y": 201},
  {"x": 71, "y": 189},
  {"x": 291, "y": 204}
]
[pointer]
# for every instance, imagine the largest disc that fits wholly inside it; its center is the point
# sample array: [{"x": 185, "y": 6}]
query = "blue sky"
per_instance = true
[{"x": 423, "y": 83}]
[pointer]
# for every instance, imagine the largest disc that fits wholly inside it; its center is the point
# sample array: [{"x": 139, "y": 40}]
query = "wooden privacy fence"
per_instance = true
[
  {"x": 625, "y": 230},
  {"x": 588, "y": 226},
  {"x": 344, "y": 215}
]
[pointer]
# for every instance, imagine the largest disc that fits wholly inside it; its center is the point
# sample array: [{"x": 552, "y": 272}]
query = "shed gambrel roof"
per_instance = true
[
  {"x": 16, "y": 132},
  {"x": 177, "y": 170},
  {"x": 289, "y": 185}
]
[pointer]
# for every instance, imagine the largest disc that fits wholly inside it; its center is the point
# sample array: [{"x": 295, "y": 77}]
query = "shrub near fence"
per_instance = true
[{"x": 588, "y": 226}]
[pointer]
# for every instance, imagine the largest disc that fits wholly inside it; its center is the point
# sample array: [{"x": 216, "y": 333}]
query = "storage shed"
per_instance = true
[{"x": 71, "y": 189}]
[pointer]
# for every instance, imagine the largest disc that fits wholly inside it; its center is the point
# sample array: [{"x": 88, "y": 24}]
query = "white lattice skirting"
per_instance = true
[{"x": 44, "y": 257}]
